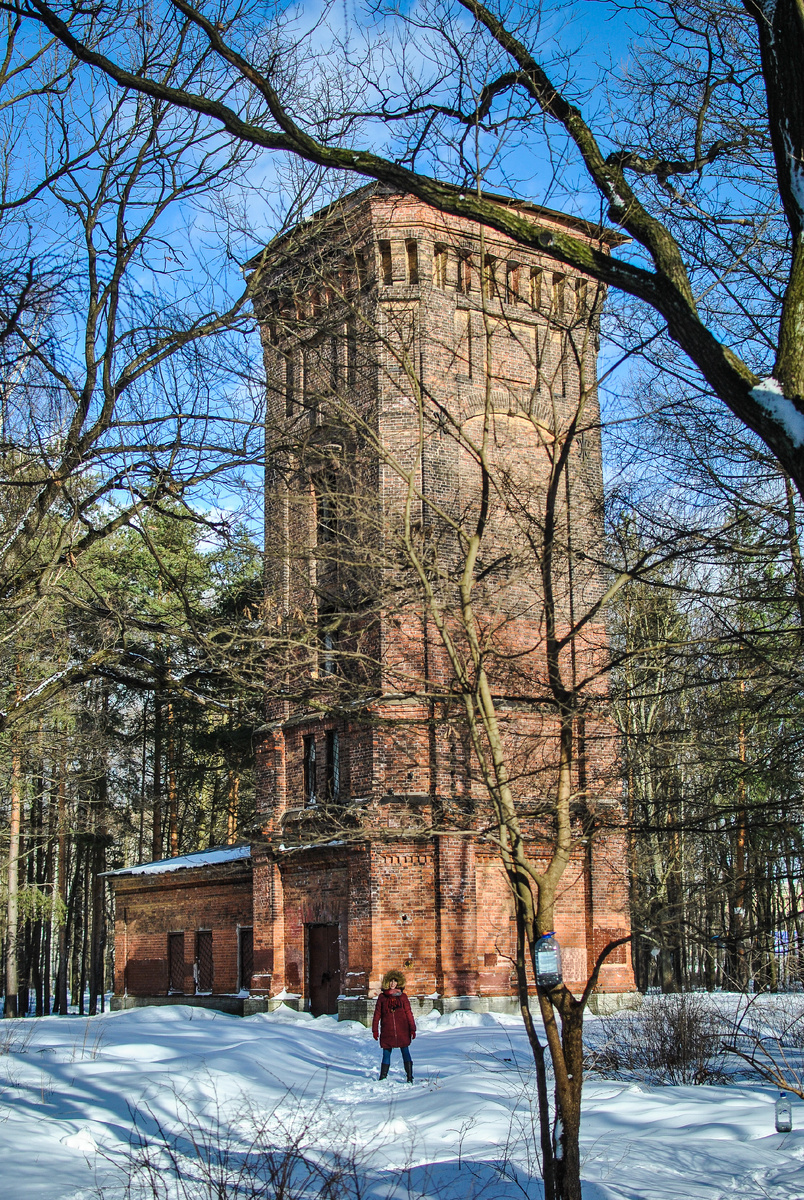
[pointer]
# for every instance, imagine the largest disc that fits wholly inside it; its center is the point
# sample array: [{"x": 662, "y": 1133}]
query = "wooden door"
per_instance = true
[
  {"x": 175, "y": 962},
  {"x": 203, "y": 961},
  {"x": 323, "y": 968}
]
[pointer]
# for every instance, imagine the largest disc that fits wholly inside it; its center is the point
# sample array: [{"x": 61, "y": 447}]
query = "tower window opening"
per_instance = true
[
  {"x": 465, "y": 274},
  {"x": 308, "y": 769},
  {"x": 512, "y": 284},
  {"x": 490, "y": 277},
  {"x": 536, "y": 289},
  {"x": 386, "y": 263},
  {"x": 334, "y": 364},
  {"x": 326, "y": 514},
  {"x": 333, "y": 766},
  {"x": 440, "y": 266},
  {"x": 290, "y": 385},
  {"x": 559, "y": 284},
  {"x": 351, "y": 354},
  {"x": 412, "y": 252}
]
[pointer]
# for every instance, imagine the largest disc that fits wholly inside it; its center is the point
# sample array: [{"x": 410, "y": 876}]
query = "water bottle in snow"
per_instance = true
[
  {"x": 548, "y": 962},
  {"x": 784, "y": 1114}
]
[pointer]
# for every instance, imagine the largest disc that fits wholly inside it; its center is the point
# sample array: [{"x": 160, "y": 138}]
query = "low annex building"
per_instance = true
[{"x": 404, "y": 349}]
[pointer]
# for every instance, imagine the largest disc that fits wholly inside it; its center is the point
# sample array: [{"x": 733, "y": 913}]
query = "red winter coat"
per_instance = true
[{"x": 393, "y": 1018}]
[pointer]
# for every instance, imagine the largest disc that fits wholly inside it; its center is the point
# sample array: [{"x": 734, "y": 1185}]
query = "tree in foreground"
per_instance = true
[{"x": 699, "y": 161}]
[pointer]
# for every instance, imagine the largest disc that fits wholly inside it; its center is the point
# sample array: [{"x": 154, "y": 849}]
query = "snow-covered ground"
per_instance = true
[{"x": 115, "y": 1106}]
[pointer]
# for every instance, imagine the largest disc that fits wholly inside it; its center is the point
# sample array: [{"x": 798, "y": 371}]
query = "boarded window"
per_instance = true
[
  {"x": 245, "y": 958},
  {"x": 203, "y": 961},
  {"x": 175, "y": 962}
]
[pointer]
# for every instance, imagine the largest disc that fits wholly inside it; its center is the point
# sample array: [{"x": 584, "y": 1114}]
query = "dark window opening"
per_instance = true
[
  {"x": 386, "y": 263},
  {"x": 333, "y": 766},
  {"x": 334, "y": 363},
  {"x": 326, "y": 512},
  {"x": 290, "y": 385},
  {"x": 412, "y": 250},
  {"x": 245, "y": 958},
  {"x": 362, "y": 270},
  {"x": 351, "y": 354},
  {"x": 308, "y": 767},
  {"x": 328, "y": 642},
  {"x": 465, "y": 274},
  {"x": 203, "y": 961},
  {"x": 175, "y": 962}
]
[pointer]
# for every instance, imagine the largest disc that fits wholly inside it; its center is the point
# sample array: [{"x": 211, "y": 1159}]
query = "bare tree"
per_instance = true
[{"x": 460, "y": 95}]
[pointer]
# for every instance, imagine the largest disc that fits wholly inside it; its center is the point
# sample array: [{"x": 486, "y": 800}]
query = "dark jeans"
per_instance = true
[{"x": 386, "y": 1055}]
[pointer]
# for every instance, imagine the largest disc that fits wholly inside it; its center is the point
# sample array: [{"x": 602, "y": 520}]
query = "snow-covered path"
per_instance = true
[{"x": 69, "y": 1088}]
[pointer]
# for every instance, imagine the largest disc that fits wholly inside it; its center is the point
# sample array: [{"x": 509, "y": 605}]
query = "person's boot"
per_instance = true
[
  {"x": 409, "y": 1071},
  {"x": 383, "y": 1070}
]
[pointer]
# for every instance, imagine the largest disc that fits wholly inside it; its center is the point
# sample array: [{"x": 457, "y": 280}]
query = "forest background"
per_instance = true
[{"x": 133, "y": 631}]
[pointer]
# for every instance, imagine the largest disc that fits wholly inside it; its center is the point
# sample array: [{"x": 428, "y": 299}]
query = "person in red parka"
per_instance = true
[{"x": 393, "y": 1022}]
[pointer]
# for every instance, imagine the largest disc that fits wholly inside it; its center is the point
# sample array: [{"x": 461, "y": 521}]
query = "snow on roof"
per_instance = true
[{"x": 203, "y": 858}]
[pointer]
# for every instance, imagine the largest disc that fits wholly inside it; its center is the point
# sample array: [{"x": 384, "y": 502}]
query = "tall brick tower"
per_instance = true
[{"x": 403, "y": 348}]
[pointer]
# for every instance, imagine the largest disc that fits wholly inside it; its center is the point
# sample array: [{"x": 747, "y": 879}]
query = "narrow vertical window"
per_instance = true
[
  {"x": 535, "y": 289},
  {"x": 333, "y": 766},
  {"x": 412, "y": 253},
  {"x": 351, "y": 353},
  {"x": 328, "y": 652},
  {"x": 203, "y": 968},
  {"x": 463, "y": 337},
  {"x": 308, "y": 768},
  {"x": 490, "y": 277},
  {"x": 386, "y": 263},
  {"x": 465, "y": 274},
  {"x": 326, "y": 511},
  {"x": 290, "y": 385},
  {"x": 334, "y": 364},
  {"x": 581, "y": 296},
  {"x": 440, "y": 266},
  {"x": 512, "y": 284},
  {"x": 559, "y": 283},
  {"x": 245, "y": 958},
  {"x": 362, "y": 270}
]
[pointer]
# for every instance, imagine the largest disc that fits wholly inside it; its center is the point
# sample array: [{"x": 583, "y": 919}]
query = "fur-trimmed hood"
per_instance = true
[{"x": 397, "y": 976}]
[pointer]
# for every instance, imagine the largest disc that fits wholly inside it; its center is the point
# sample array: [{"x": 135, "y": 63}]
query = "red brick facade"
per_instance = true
[{"x": 392, "y": 334}]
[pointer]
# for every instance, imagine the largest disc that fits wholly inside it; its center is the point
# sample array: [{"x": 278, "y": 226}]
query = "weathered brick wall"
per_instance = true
[{"x": 150, "y": 907}]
